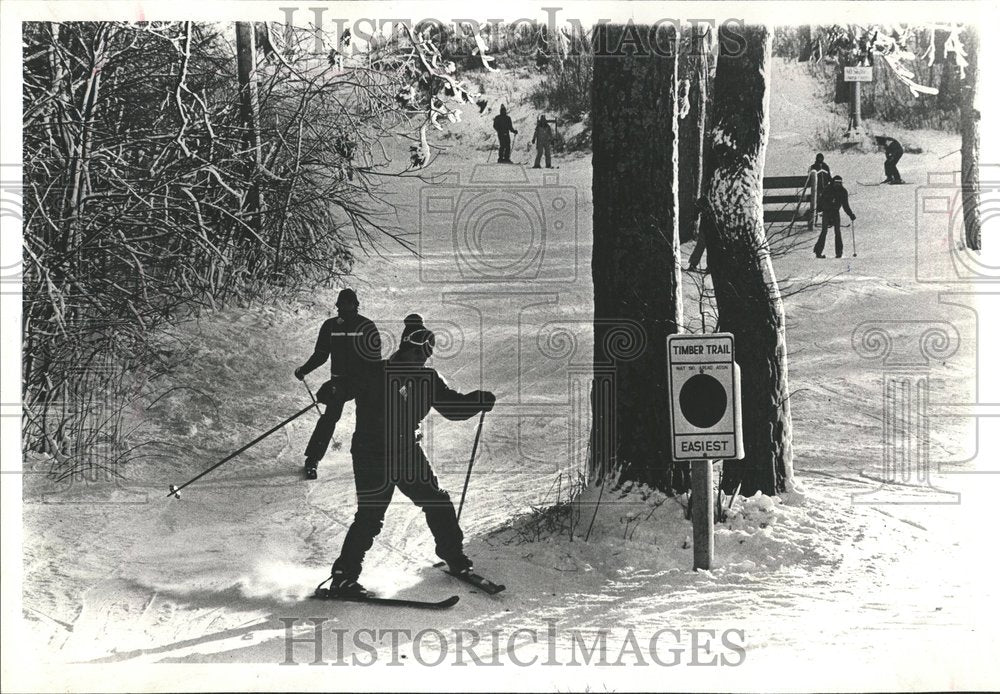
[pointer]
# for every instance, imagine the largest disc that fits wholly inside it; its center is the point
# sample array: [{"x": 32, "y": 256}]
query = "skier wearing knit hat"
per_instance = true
[
  {"x": 834, "y": 199},
  {"x": 386, "y": 453},
  {"x": 351, "y": 342}
]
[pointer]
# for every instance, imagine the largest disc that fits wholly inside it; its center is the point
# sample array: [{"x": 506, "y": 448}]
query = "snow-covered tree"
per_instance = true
[
  {"x": 694, "y": 75},
  {"x": 967, "y": 59},
  {"x": 747, "y": 295}
]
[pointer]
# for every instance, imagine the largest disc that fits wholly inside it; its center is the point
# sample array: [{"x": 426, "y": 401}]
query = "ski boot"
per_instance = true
[
  {"x": 341, "y": 586},
  {"x": 310, "y": 468},
  {"x": 460, "y": 565}
]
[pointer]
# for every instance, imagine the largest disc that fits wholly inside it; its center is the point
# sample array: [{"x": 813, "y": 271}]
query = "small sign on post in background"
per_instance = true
[
  {"x": 705, "y": 421},
  {"x": 858, "y": 74}
]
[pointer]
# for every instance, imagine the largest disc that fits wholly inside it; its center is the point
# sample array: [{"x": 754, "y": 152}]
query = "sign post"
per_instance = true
[
  {"x": 705, "y": 421},
  {"x": 856, "y": 75}
]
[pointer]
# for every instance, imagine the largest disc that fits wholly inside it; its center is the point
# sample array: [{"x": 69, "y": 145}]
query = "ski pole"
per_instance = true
[
  {"x": 175, "y": 490},
  {"x": 475, "y": 445},
  {"x": 854, "y": 241},
  {"x": 312, "y": 397}
]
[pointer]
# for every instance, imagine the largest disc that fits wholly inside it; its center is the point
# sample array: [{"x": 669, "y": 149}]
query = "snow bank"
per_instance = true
[{"x": 638, "y": 529}]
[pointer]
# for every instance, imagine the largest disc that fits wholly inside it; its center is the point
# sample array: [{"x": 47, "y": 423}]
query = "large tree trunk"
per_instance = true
[
  {"x": 746, "y": 292},
  {"x": 970, "y": 141},
  {"x": 692, "y": 135},
  {"x": 636, "y": 261}
]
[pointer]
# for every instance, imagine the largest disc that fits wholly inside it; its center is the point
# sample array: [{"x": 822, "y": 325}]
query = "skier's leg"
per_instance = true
[
  {"x": 548, "y": 156},
  {"x": 374, "y": 489},
  {"x": 327, "y": 424},
  {"x": 421, "y": 485},
  {"x": 821, "y": 241},
  {"x": 538, "y": 157},
  {"x": 838, "y": 241},
  {"x": 894, "y": 171}
]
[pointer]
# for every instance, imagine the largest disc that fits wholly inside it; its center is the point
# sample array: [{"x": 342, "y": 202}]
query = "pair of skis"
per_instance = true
[
  {"x": 473, "y": 579},
  {"x": 880, "y": 183}
]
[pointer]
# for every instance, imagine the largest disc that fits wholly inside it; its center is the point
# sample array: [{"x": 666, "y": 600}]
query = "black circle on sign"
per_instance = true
[{"x": 703, "y": 400}]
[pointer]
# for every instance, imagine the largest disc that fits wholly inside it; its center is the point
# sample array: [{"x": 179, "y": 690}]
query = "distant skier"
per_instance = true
[
  {"x": 834, "y": 198},
  {"x": 543, "y": 143},
  {"x": 354, "y": 348},
  {"x": 822, "y": 173},
  {"x": 504, "y": 127},
  {"x": 387, "y": 455},
  {"x": 893, "y": 153}
]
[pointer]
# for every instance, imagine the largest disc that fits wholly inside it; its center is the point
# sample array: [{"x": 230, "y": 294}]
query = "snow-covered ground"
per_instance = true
[{"x": 811, "y": 590}]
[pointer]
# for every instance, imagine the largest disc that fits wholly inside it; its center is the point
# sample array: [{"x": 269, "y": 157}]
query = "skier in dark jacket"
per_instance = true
[
  {"x": 543, "y": 142},
  {"x": 386, "y": 453},
  {"x": 893, "y": 153},
  {"x": 833, "y": 199},
  {"x": 354, "y": 348},
  {"x": 504, "y": 127},
  {"x": 822, "y": 173}
]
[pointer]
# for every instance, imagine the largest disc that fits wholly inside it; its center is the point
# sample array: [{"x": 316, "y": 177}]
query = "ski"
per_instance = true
[
  {"x": 324, "y": 594},
  {"x": 883, "y": 183},
  {"x": 474, "y": 579}
]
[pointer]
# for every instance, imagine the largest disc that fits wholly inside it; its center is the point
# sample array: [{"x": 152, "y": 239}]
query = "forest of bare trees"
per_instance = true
[{"x": 174, "y": 166}]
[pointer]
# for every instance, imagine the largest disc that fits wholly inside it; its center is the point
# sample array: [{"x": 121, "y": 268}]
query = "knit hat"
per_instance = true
[
  {"x": 422, "y": 338},
  {"x": 411, "y": 324},
  {"x": 347, "y": 299}
]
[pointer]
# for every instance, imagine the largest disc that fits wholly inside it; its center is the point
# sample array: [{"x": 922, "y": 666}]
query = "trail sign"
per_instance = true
[
  {"x": 705, "y": 422},
  {"x": 704, "y": 379},
  {"x": 858, "y": 74}
]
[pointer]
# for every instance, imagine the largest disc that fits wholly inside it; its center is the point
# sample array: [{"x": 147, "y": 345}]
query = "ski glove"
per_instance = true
[
  {"x": 488, "y": 399},
  {"x": 299, "y": 375},
  {"x": 853, "y": 217}
]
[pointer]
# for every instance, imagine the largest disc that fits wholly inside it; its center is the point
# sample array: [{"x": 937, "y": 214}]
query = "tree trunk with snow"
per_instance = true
[
  {"x": 747, "y": 295},
  {"x": 636, "y": 257},
  {"x": 692, "y": 135},
  {"x": 970, "y": 141}
]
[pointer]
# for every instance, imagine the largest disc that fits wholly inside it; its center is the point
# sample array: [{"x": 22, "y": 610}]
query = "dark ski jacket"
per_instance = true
[
  {"x": 503, "y": 125},
  {"x": 833, "y": 198},
  {"x": 821, "y": 167},
  {"x": 352, "y": 344},
  {"x": 543, "y": 135},
  {"x": 893, "y": 150},
  {"x": 394, "y": 400}
]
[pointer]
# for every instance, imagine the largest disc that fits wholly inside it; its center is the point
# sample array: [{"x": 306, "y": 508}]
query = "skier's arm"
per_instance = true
[
  {"x": 320, "y": 353},
  {"x": 458, "y": 406},
  {"x": 847, "y": 206}
]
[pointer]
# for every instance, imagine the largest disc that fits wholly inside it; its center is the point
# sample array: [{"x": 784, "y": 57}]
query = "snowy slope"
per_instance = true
[{"x": 809, "y": 589}]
